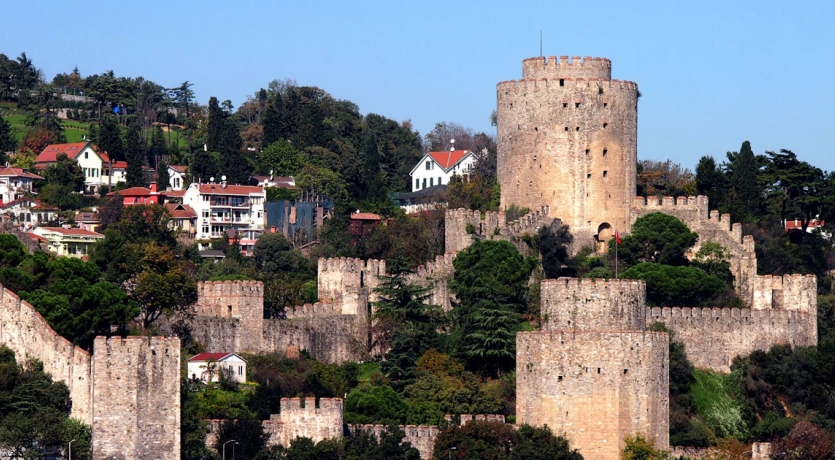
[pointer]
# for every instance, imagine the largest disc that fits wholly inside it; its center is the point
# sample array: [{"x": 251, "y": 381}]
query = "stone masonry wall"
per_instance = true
[
  {"x": 435, "y": 274},
  {"x": 594, "y": 387},
  {"x": 342, "y": 282},
  {"x": 595, "y": 305},
  {"x": 136, "y": 398},
  {"x": 242, "y": 301},
  {"x": 303, "y": 417},
  {"x": 491, "y": 226},
  {"x": 694, "y": 211},
  {"x": 24, "y": 330},
  {"x": 567, "y": 138}
]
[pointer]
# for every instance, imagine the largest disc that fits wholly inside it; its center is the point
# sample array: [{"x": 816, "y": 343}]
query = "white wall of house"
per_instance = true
[
  {"x": 429, "y": 172},
  {"x": 176, "y": 179},
  {"x": 91, "y": 164},
  {"x": 219, "y": 208},
  {"x": 232, "y": 364}
]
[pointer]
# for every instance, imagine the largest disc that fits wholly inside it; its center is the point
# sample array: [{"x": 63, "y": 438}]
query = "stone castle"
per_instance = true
[{"x": 592, "y": 373}]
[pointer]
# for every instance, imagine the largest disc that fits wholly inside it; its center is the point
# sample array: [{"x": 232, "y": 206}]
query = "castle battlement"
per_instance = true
[
  {"x": 715, "y": 313},
  {"x": 315, "y": 310},
  {"x": 564, "y": 84},
  {"x": 593, "y": 304},
  {"x": 441, "y": 265},
  {"x": 208, "y": 289},
  {"x": 491, "y": 225},
  {"x": 540, "y": 67},
  {"x": 529, "y": 221},
  {"x": 793, "y": 292},
  {"x": 290, "y": 405},
  {"x": 693, "y": 211}
]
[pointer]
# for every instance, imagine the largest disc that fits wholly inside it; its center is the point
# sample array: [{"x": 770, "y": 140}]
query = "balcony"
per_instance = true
[{"x": 229, "y": 204}]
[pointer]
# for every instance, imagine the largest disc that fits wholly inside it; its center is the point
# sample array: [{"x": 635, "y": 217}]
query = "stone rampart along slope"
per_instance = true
[
  {"x": 695, "y": 213},
  {"x": 714, "y": 336},
  {"x": 490, "y": 226},
  {"x": 24, "y": 330},
  {"x": 128, "y": 390},
  {"x": 594, "y": 387},
  {"x": 435, "y": 274},
  {"x": 229, "y": 315}
]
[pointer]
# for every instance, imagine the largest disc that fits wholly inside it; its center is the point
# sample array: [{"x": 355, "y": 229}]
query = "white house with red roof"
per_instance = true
[
  {"x": 228, "y": 211},
  {"x": 437, "y": 168},
  {"x": 140, "y": 195},
  {"x": 97, "y": 166},
  {"x": 177, "y": 176},
  {"x": 15, "y": 183},
  {"x": 207, "y": 367},
  {"x": 27, "y": 212},
  {"x": 70, "y": 242},
  {"x": 183, "y": 218}
]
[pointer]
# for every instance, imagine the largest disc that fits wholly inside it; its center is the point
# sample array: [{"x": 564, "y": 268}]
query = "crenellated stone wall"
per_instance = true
[
  {"x": 128, "y": 390},
  {"x": 593, "y": 305},
  {"x": 435, "y": 274},
  {"x": 136, "y": 398},
  {"x": 305, "y": 418},
  {"x": 594, "y": 387},
  {"x": 349, "y": 282},
  {"x": 490, "y": 226},
  {"x": 695, "y": 213},
  {"x": 24, "y": 330}
]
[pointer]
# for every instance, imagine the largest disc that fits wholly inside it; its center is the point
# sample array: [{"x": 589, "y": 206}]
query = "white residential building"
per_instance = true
[
  {"x": 207, "y": 367},
  {"x": 437, "y": 168},
  {"x": 228, "y": 211},
  {"x": 96, "y": 165},
  {"x": 15, "y": 183},
  {"x": 69, "y": 242},
  {"x": 176, "y": 176}
]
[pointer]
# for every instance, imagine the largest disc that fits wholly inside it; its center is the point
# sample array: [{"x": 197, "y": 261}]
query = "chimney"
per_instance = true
[{"x": 153, "y": 187}]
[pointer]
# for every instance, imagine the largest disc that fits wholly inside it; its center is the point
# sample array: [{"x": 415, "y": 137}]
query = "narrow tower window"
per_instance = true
[
  {"x": 565, "y": 105},
  {"x": 576, "y": 105},
  {"x": 605, "y": 104},
  {"x": 605, "y": 125},
  {"x": 605, "y": 173},
  {"x": 562, "y": 81},
  {"x": 587, "y": 151},
  {"x": 605, "y": 151}
]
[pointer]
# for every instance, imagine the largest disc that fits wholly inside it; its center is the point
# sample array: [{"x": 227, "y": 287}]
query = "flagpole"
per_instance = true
[{"x": 617, "y": 236}]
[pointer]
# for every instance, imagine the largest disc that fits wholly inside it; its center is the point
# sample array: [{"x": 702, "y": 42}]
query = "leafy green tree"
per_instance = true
[
  {"x": 273, "y": 121},
  {"x": 638, "y": 447},
  {"x": 711, "y": 182},
  {"x": 714, "y": 259},
  {"x": 375, "y": 404},
  {"x": 248, "y": 436},
  {"x": 669, "y": 285},
  {"x": 109, "y": 138},
  {"x": 7, "y": 140},
  {"x": 798, "y": 189},
  {"x": 490, "y": 282},
  {"x": 66, "y": 172},
  {"x": 499, "y": 441},
  {"x": 405, "y": 323},
  {"x": 280, "y": 158},
  {"x": 554, "y": 241},
  {"x": 656, "y": 237},
  {"x": 204, "y": 165}
]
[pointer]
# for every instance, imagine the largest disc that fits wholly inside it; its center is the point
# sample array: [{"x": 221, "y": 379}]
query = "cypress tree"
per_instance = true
[
  {"x": 214, "y": 128},
  {"x": 273, "y": 122},
  {"x": 133, "y": 150},
  {"x": 746, "y": 192},
  {"x": 711, "y": 182}
]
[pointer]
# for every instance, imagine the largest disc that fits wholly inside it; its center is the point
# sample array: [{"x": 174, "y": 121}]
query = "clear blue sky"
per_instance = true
[{"x": 712, "y": 73}]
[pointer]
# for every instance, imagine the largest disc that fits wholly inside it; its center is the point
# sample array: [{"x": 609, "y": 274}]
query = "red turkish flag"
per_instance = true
[{"x": 617, "y": 236}]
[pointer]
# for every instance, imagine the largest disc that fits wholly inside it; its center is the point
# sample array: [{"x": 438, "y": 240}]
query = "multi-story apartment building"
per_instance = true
[{"x": 228, "y": 211}]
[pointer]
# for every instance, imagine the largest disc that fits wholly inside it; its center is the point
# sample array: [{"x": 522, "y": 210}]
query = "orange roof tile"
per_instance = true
[
  {"x": 178, "y": 168},
  {"x": 17, "y": 172},
  {"x": 365, "y": 216},
  {"x": 448, "y": 158},
  {"x": 50, "y": 153}
]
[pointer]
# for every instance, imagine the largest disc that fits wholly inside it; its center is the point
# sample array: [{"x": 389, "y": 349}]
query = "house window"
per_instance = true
[
  {"x": 424, "y": 183},
  {"x": 431, "y": 181},
  {"x": 428, "y": 165},
  {"x": 417, "y": 184},
  {"x": 205, "y": 229},
  {"x": 439, "y": 181},
  {"x": 259, "y": 214},
  {"x": 240, "y": 370},
  {"x": 205, "y": 213},
  {"x": 205, "y": 197},
  {"x": 86, "y": 155}
]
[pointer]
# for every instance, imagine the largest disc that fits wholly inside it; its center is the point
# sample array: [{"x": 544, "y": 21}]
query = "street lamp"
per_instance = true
[
  {"x": 233, "y": 450},
  {"x": 70, "y": 448},
  {"x": 450, "y": 452},
  {"x": 224, "y": 447}
]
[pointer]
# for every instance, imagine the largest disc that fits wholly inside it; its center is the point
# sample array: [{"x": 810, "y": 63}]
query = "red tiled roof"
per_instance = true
[
  {"x": 37, "y": 237},
  {"x": 18, "y": 172},
  {"x": 798, "y": 224},
  {"x": 208, "y": 356},
  {"x": 175, "y": 193},
  {"x": 178, "y": 168},
  {"x": 72, "y": 231},
  {"x": 50, "y": 153},
  {"x": 448, "y": 158},
  {"x": 365, "y": 216},
  {"x": 181, "y": 211},
  {"x": 120, "y": 165},
  {"x": 33, "y": 204},
  {"x": 217, "y": 189},
  {"x": 133, "y": 191}
]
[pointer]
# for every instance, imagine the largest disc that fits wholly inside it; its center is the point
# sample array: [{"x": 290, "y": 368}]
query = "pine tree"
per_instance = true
[
  {"x": 711, "y": 182},
  {"x": 109, "y": 138},
  {"x": 203, "y": 166},
  {"x": 215, "y": 126},
  {"x": 376, "y": 190},
  {"x": 7, "y": 141}
]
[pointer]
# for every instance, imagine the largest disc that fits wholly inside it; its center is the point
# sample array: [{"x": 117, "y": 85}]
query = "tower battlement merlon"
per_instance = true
[{"x": 587, "y": 67}]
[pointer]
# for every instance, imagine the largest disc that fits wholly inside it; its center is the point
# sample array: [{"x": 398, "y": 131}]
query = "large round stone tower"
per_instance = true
[{"x": 568, "y": 138}]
